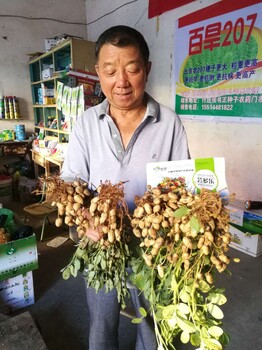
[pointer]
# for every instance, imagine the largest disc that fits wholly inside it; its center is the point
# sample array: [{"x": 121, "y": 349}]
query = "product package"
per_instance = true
[{"x": 206, "y": 173}]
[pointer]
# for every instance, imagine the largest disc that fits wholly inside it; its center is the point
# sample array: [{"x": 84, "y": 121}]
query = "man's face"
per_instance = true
[{"x": 123, "y": 75}]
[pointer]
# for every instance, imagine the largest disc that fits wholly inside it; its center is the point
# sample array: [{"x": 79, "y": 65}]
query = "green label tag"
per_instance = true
[{"x": 205, "y": 176}]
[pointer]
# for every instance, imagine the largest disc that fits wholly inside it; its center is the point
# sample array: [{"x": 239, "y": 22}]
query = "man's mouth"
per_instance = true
[{"x": 126, "y": 93}]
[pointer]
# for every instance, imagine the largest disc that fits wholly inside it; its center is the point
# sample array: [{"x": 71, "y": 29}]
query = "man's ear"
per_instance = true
[
  {"x": 148, "y": 69},
  {"x": 97, "y": 70}
]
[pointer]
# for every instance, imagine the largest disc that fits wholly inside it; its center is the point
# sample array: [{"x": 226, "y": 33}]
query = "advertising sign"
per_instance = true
[{"x": 218, "y": 61}]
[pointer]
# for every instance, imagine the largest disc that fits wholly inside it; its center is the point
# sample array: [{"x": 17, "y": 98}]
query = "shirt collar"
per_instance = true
[{"x": 152, "y": 109}]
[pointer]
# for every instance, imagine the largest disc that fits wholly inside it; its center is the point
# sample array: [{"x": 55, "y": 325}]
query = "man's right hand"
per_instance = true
[{"x": 93, "y": 234}]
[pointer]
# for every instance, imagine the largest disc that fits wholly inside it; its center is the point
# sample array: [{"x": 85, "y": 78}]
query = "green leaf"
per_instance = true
[
  {"x": 204, "y": 286},
  {"x": 90, "y": 276},
  {"x": 224, "y": 339},
  {"x": 73, "y": 270},
  {"x": 213, "y": 344},
  {"x": 168, "y": 311},
  {"x": 215, "y": 331},
  {"x": 204, "y": 333},
  {"x": 185, "y": 337},
  {"x": 182, "y": 211},
  {"x": 188, "y": 288},
  {"x": 183, "y": 308},
  {"x": 77, "y": 264},
  {"x": 140, "y": 279},
  {"x": 194, "y": 224},
  {"x": 110, "y": 284},
  {"x": 103, "y": 264},
  {"x": 137, "y": 320},
  {"x": 184, "y": 296},
  {"x": 126, "y": 247},
  {"x": 97, "y": 259},
  {"x": 66, "y": 273},
  {"x": 135, "y": 264},
  {"x": 215, "y": 311},
  {"x": 158, "y": 314},
  {"x": 173, "y": 283},
  {"x": 116, "y": 279},
  {"x": 172, "y": 322},
  {"x": 80, "y": 252},
  {"x": 97, "y": 285},
  {"x": 217, "y": 298},
  {"x": 195, "y": 339},
  {"x": 185, "y": 325},
  {"x": 142, "y": 312}
]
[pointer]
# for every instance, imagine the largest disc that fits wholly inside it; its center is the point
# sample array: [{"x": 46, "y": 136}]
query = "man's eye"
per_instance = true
[
  {"x": 110, "y": 72},
  {"x": 133, "y": 70}
]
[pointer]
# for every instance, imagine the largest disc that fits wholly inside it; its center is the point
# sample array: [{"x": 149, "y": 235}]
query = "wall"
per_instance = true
[
  {"x": 239, "y": 143},
  {"x": 20, "y": 36}
]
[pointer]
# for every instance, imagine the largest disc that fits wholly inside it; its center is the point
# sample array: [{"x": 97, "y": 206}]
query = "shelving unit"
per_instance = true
[{"x": 49, "y": 68}]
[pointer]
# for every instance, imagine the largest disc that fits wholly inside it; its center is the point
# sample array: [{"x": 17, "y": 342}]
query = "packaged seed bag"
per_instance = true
[
  {"x": 206, "y": 173},
  {"x": 59, "y": 95}
]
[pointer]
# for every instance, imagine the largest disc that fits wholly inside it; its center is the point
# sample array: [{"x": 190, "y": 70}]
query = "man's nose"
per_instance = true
[{"x": 122, "y": 79}]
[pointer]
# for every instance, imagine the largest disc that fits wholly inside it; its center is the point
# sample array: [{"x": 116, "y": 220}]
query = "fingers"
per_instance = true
[
  {"x": 86, "y": 214},
  {"x": 93, "y": 234}
]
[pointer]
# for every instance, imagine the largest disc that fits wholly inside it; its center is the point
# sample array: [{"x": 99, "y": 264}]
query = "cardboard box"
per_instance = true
[
  {"x": 47, "y": 73},
  {"x": 250, "y": 244},
  {"x": 26, "y": 186},
  {"x": 245, "y": 220},
  {"x": 48, "y": 100},
  {"x": 18, "y": 257},
  {"x": 40, "y": 95},
  {"x": 50, "y": 43},
  {"x": 48, "y": 92},
  {"x": 17, "y": 292},
  {"x": 7, "y": 135}
]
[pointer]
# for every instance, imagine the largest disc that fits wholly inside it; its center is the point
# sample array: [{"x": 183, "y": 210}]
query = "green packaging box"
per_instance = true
[
  {"x": 247, "y": 221},
  {"x": 245, "y": 242},
  {"x": 16, "y": 293},
  {"x": 18, "y": 257}
]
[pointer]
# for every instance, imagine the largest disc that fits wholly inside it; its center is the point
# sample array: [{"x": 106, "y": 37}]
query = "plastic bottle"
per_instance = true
[
  {"x": 6, "y": 108},
  {"x": 15, "y": 107},
  {"x": 11, "y": 107},
  {"x": 2, "y": 115},
  {"x": 253, "y": 204}
]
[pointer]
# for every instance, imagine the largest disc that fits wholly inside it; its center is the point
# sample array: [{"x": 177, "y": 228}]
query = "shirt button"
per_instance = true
[{"x": 115, "y": 136}]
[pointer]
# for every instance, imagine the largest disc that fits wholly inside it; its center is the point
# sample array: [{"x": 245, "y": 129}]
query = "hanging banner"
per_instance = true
[{"x": 218, "y": 61}]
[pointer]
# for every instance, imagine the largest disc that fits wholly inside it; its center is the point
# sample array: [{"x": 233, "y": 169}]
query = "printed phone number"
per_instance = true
[{"x": 217, "y": 107}]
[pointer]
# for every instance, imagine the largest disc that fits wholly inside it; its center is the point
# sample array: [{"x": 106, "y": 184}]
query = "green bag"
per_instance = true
[{"x": 7, "y": 220}]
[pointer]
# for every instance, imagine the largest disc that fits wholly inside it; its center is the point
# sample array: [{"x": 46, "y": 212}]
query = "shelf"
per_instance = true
[
  {"x": 72, "y": 53},
  {"x": 39, "y": 82},
  {"x": 14, "y": 148},
  {"x": 53, "y": 78},
  {"x": 44, "y": 106},
  {"x": 12, "y": 119},
  {"x": 58, "y": 131},
  {"x": 46, "y": 162}
]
